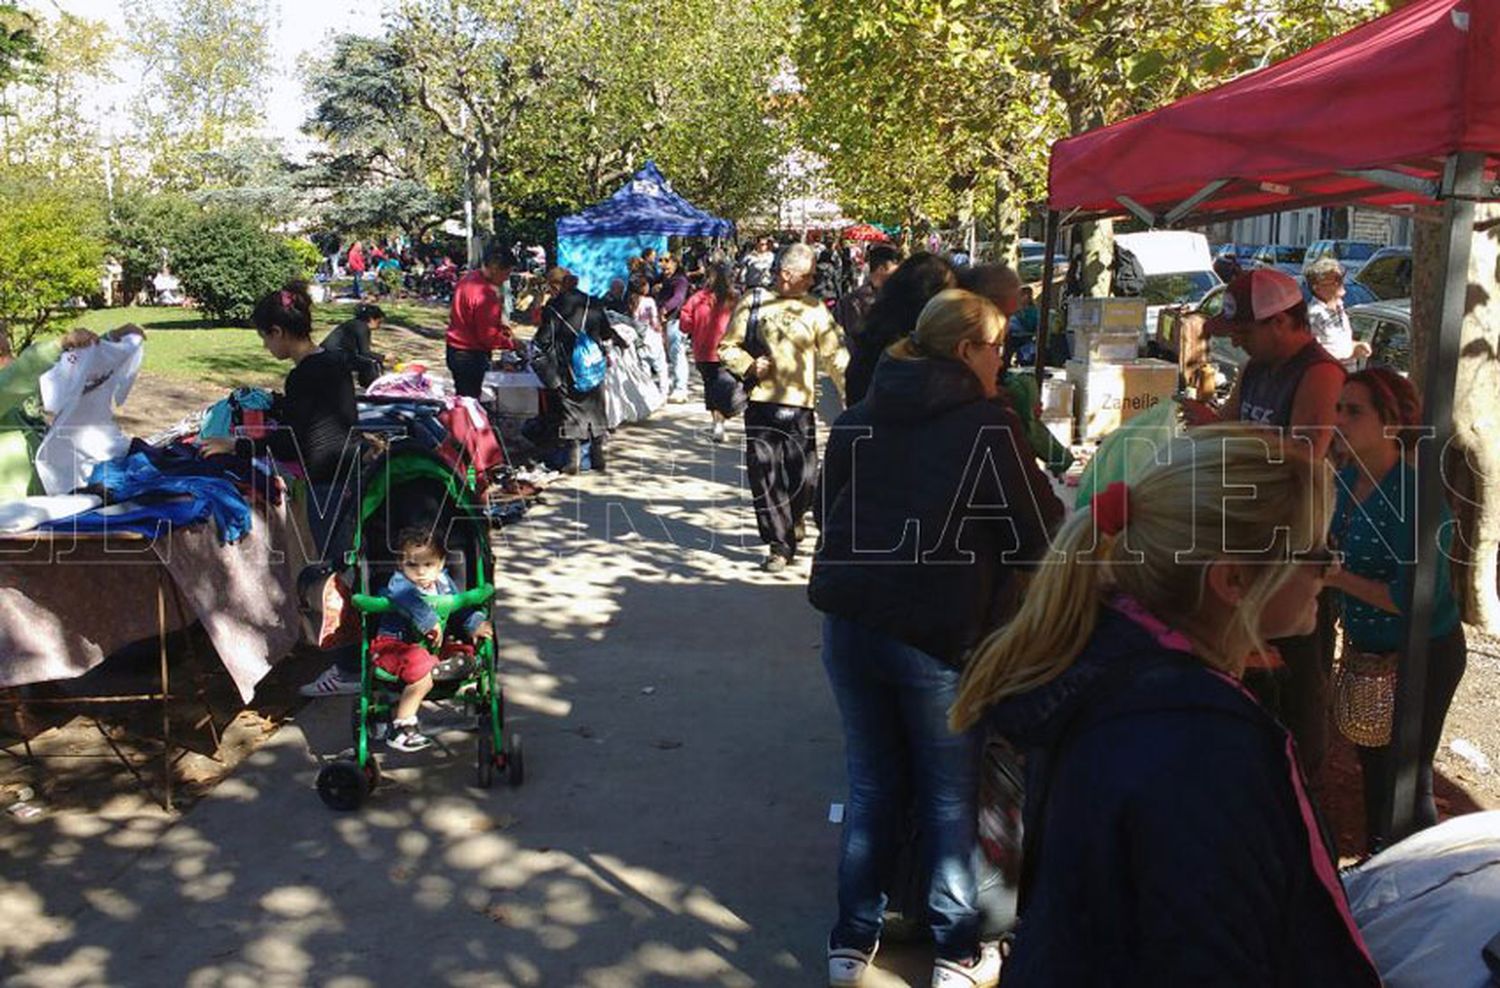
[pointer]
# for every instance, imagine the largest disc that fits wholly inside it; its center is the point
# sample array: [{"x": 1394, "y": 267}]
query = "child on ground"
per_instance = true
[{"x": 410, "y": 638}]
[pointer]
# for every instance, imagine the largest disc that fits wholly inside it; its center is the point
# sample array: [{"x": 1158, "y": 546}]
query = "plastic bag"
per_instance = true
[{"x": 1130, "y": 450}]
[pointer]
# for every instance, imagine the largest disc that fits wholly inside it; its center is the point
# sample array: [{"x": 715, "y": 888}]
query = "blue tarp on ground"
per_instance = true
[{"x": 596, "y": 243}]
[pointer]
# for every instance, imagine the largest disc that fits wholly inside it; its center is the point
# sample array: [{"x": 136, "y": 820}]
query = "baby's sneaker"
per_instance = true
[{"x": 405, "y": 737}]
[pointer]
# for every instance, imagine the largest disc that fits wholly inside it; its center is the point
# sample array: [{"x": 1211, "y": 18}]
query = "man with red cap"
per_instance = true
[{"x": 1289, "y": 382}]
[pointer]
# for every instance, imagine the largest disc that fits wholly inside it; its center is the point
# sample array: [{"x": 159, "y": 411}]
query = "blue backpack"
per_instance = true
[{"x": 587, "y": 362}]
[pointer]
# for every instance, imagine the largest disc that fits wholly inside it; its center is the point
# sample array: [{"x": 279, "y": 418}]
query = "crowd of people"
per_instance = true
[{"x": 1159, "y": 660}]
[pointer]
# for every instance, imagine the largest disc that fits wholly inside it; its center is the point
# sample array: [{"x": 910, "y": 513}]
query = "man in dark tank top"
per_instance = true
[{"x": 1290, "y": 382}]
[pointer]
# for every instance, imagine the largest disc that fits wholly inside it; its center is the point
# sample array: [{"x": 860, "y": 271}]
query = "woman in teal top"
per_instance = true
[{"x": 1375, "y": 526}]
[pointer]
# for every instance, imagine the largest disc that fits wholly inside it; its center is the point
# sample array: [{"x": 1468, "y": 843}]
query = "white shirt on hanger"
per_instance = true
[{"x": 82, "y": 392}]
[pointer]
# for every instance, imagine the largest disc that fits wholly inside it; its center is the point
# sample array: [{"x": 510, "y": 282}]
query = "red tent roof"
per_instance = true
[{"x": 1399, "y": 93}]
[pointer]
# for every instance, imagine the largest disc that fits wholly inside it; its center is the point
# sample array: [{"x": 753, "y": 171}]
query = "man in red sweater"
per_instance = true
[{"x": 476, "y": 322}]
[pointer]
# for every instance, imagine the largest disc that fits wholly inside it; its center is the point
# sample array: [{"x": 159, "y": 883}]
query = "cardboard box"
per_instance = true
[
  {"x": 1111, "y": 394},
  {"x": 1103, "y": 315},
  {"x": 1111, "y": 347},
  {"x": 1057, "y": 396}
]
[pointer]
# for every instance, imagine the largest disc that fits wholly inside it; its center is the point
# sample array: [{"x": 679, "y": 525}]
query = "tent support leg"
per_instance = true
[
  {"x": 1441, "y": 381},
  {"x": 1044, "y": 321}
]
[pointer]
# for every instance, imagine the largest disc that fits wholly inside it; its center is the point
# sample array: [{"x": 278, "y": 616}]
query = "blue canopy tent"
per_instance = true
[{"x": 597, "y": 243}]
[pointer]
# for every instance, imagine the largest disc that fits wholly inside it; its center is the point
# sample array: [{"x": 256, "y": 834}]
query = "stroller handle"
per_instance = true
[{"x": 444, "y": 603}]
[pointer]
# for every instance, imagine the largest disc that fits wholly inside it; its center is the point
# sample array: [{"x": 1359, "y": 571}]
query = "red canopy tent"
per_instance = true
[{"x": 1402, "y": 112}]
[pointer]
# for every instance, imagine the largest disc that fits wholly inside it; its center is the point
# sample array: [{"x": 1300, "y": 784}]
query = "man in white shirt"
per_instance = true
[{"x": 1326, "y": 316}]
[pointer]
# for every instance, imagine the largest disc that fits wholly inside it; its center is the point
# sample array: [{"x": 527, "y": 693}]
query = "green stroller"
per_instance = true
[{"x": 412, "y": 485}]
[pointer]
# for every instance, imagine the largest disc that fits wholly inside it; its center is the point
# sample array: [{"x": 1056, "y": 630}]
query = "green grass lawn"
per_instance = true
[{"x": 184, "y": 345}]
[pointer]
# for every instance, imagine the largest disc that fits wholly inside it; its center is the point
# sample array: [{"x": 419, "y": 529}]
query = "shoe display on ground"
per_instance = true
[
  {"x": 982, "y": 972},
  {"x": 331, "y": 683},
  {"x": 847, "y": 966}
]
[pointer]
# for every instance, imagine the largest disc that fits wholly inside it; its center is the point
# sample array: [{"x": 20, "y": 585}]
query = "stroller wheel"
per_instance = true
[
  {"x": 342, "y": 785},
  {"x": 372, "y": 774},
  {"x": 515, "y": 762},
  {"x": 484, "y": 768}
]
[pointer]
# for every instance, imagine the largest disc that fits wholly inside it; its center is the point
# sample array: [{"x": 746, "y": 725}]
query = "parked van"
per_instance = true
[{"x": 1175, "y": 268}]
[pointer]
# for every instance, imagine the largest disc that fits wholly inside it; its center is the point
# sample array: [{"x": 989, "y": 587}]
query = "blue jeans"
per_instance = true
[
  {"x": 894, "y": 701},
  {"x": 677, "y": 357}
]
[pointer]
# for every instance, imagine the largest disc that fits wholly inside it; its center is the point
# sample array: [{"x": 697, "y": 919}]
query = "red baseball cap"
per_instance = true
[{"x": 1252, "y": 296}]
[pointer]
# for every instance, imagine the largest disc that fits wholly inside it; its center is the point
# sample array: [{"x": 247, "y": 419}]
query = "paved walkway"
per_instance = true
[{"x": 682, "y": 752}]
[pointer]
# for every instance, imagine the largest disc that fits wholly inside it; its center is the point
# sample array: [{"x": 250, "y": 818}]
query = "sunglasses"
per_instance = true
[{"x": 1326, "y": 559}]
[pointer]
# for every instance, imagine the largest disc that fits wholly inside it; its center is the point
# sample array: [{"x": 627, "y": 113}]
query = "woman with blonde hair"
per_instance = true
[
  {"x": 1169, "y": 838},
  {"x": 922, "y": 534}
]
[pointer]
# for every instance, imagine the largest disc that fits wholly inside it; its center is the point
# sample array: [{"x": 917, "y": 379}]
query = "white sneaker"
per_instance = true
[
  {"x": 718, "y": 433},
  {"x": 847, "y": 966},
  {"x": 983, "y": 972},
  {"x": 331, "y": 683}
]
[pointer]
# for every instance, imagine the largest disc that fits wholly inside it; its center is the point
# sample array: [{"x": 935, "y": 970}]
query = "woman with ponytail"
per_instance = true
[{"x": 1169, "y": 838}]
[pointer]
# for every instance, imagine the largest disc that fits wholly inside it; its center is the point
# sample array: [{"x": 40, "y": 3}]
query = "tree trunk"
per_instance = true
[
  {"x": 1007, "y": 232},
  {"x": 1472, "y": 463},
  {"x": 479, "y": 183}
]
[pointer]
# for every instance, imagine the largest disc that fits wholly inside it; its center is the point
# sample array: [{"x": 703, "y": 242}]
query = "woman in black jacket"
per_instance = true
[
  {"x": 893, "y": 316},
  {"x": 1169, "y": 838},
  {"x": 351, "y": 341},
  {"x": 930, "y": 503}
]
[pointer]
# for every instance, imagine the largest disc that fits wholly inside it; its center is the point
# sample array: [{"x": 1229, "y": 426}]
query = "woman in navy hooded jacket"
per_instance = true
[
  {"x": 932, "y": 501},
  {"x": 1169, "y": 837}
]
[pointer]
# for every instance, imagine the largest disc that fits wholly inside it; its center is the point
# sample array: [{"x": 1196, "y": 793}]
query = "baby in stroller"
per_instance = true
[{"x": 410, "y": 641}]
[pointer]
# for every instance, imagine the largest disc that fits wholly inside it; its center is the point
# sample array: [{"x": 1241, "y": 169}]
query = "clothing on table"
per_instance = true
[
  {"x": 219, "y": 422},
  {"x": 137, "y": 479},
  {"x": 923, "y": 530},
  {"x": 475, "y": 319},
  {"x": 1216, "y": 870},
  {"x": 1329, "y": 322},
  {"x": 81, "y": 391},
  {"x": 893, "y": 700},
  {"x": 705, "y": 320},
  {"x": 351, "y": 341},
  {"x": 317, "y": 417},
  {"x": 1378, "y": 537},
  {"x": 800, "y": 337},
  {"x": 1268, "y": 391},
  {"x": 781, "y": 458},
  {"x": 413, "y": 382},
  {"x": 28, "y": 512},
  {"x": 21, "y": 423},
  {"x": 252, "y": 477}
]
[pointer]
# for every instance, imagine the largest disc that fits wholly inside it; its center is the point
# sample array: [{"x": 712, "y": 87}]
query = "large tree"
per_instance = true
[
  {"x": 476, "y": 67},
  {"x": 204, "y": 68},
  {"x": 20, "y": 51},
  {"x": 46, "y": 124},
  {"x": 383, "y": 163}
]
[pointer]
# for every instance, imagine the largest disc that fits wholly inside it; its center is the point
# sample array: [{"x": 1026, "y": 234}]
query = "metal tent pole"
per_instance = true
[
  {"x": 1467, "y": 169},
  {"x": 1044, "y": 321}
]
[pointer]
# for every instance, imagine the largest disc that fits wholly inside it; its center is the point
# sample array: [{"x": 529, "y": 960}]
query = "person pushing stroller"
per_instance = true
[{"x": 409, "y": 643}]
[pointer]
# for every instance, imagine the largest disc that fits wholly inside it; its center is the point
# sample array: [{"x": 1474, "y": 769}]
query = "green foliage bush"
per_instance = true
[
  {"x": 307, "y": 254},
  {"x": 144, "y": 229},
  {"x": 50, "y": 252},
  {"x": 226, "y": 262}
]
